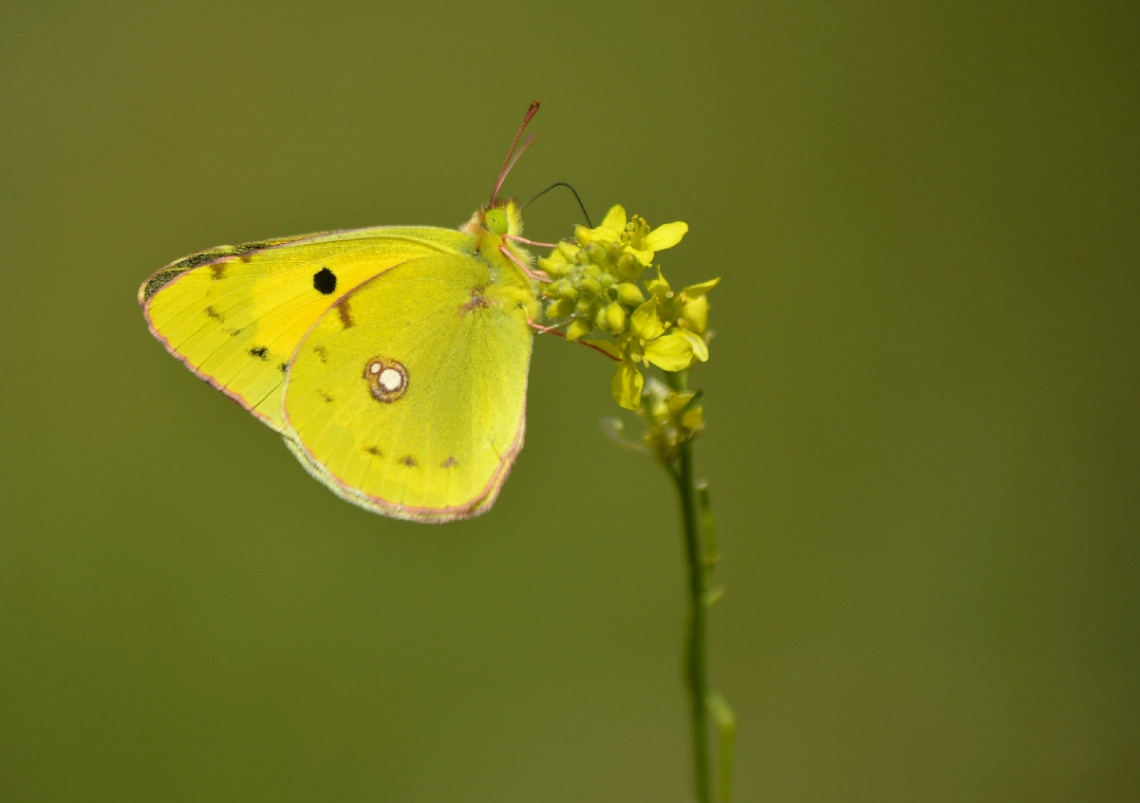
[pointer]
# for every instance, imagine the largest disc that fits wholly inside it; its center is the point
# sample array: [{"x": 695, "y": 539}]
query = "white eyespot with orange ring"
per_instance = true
[{"x": 387, "y": 379}]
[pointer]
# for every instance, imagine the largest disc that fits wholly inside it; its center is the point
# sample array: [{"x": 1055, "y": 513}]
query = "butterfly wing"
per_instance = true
[
  {"x": 235, "y": 314},
  {"x": 408, "y": 395}
]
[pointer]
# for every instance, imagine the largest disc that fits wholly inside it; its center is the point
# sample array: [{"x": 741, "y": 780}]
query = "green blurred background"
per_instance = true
[{"x": 922, "y": 403}]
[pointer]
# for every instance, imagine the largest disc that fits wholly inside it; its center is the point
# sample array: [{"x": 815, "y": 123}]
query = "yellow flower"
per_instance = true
[
  {"x": 670, "y": 351},
  {"x": 633, "y": 235},
  {"x": 690, "y": 308},
  {"x": 651, "y": 341}
]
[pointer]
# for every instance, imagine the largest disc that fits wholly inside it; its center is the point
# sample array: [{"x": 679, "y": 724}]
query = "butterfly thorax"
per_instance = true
[{"x": 492, "y": 228}]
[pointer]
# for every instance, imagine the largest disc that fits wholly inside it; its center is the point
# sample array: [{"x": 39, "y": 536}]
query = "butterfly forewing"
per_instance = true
[{"x": 235, "y": 314}]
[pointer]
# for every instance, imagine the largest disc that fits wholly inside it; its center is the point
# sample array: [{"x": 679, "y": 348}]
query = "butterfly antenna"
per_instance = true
[
  {"x": 508, "y": 163},
  {"x": 577, "y": 197},
  {"x": 518, "y": 153}
]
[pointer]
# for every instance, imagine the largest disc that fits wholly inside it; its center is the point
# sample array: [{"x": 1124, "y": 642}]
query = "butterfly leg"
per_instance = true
[
  {"x": 525, "y": 241},
  {"x": 537, "y": 275}
]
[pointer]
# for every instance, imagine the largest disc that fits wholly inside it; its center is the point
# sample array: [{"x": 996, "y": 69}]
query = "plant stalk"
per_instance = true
[{"x": 696, "y": 674}]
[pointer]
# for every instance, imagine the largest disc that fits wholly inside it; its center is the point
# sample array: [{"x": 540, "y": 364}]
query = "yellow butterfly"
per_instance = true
[{"x": 393, "y": 360}]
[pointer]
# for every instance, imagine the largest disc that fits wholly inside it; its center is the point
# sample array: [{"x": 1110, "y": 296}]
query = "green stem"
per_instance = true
[{"x": 695, "y": 672}]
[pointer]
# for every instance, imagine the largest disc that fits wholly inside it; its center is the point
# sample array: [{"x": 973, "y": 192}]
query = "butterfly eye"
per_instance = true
[
  {"x": 387, "y": 379},
  {"x": 495, "y": 221}
]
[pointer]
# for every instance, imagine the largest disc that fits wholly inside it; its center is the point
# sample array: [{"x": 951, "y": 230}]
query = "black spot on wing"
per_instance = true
[
  {"x": 408, "y": 460},
  {"x": 283, "y": 367},
  {"x": 324, "y": 281},
  {"x": 448, "y": 463},
  {"x": 261, "y": 352},
  {"x": 213, "y": 313}
]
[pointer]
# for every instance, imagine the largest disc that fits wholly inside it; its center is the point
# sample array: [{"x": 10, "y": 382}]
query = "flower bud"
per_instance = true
[
  {"x": 629, "y": 267},
  {"x": 562, "y": 308},
  {"x": 613, "y": 318},
  {"x": 579, "y": 328},
  {"x": 563, "y": 289},
  {"x": 596, "y": 254},
  {"x": 630, "y": 294},
  {"x": 591, "y": 286}
]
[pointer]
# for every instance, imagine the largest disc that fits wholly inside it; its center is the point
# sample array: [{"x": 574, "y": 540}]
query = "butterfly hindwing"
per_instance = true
[
  {"x": 408, "y": 395},
  {"x": 235, "y": 314}
]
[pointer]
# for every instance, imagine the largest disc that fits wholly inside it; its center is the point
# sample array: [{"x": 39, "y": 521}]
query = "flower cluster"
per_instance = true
[{"x": 598, "y": 293}]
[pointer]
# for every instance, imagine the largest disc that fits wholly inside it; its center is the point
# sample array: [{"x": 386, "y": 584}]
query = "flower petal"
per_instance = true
[
  {"x": 644, "y": 257},
  {"x": 645, "y": 322},
  {"x": 626, "y": 386},
  {"x": 695, "y": 314},
  {"x": 673, "y": 352},
  {"x": 613, "y": 225},
  {"x": 698, "y": 290},
  {"x": 658, "y": 286},
  {"x": 677, "y": 402},
  {"x": 700, "y": 347},
  {"x": 666, "y": 236}
]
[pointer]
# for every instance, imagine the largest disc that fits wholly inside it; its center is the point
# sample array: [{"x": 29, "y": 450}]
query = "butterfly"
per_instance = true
[{"x": 393, "y": 360}]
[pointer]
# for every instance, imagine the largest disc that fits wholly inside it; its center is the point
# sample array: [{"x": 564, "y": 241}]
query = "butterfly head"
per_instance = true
[
  {"x": 497, "y": 220},
  {"x": 502, "y": 220},
  {"x": 495, "y": 228}
]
